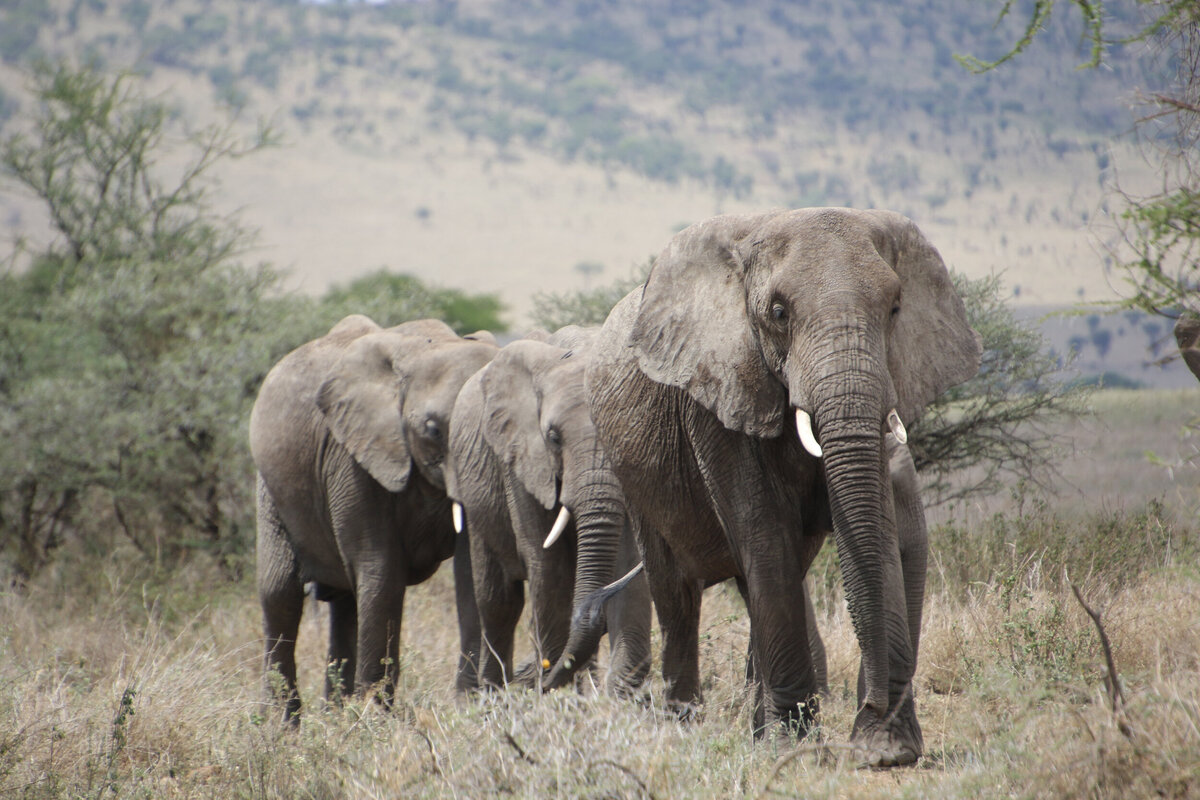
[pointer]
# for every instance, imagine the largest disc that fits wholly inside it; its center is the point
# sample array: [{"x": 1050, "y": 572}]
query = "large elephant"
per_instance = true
[
  {"x": 845, "y": 321},
  {"x": 1187, "y": 336},
  {"x": 522, "y": 447},
  {"x": 348, "y": 437}
]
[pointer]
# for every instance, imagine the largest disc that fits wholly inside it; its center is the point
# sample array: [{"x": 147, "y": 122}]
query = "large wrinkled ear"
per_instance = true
[
  {"x": 933, "y": 346},
  {"x": 693, "y": 330},
  {"x": 510, "y": 416},
  {"x": 360, "y": 399}
]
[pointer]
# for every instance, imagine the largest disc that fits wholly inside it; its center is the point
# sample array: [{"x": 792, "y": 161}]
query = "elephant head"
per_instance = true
[
  {"x": 537, "y": 420},
  {"x": 843, "y": 320},
  {"x": 538, "y": 423},
  {"x": 388, "y": 399},
  {"x": 1187, "y": 335}
]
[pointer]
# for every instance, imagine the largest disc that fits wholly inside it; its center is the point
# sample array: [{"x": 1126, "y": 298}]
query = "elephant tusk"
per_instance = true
[
  {"x": 897, "y": 427},
  {"x": 560, "y": 525},
  {"x": 456, "y": 511},
  {"x": 621, "y": 582},
  {"x": 804, "y": 428}
]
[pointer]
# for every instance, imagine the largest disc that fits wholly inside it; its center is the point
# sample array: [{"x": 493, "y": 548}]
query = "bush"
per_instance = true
[{"x": 131, "y": 347}]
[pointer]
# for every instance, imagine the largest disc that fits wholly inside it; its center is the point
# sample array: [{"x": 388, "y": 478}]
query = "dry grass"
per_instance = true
[{"x": 116, "y": 684}]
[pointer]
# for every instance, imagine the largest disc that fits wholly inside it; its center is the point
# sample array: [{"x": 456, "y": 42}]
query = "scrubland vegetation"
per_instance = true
[
  {"x": 121, "y": 680},
  {"x": 131, "y": 348}
]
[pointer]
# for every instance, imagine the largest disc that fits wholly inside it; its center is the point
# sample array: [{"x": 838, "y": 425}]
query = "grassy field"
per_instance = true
[{"x": 118, "y": 683}]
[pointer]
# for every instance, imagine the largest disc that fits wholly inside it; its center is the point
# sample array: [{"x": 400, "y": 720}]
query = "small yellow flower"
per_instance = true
[{"x": 545, "y": 663}]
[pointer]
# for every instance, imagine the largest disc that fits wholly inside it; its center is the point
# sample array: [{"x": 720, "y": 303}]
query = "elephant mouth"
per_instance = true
[{"x": 808, "y": 438}]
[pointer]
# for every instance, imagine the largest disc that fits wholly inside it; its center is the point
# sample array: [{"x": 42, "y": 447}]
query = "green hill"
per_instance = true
[{"x": 497, "y": 145}]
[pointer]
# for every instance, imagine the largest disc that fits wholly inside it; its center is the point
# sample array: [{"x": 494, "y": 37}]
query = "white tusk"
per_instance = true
[
  {"x": 560, "y": 525},
  {"x": 804, "y": 428},
  {"x": 456, "y": 512},
  {"x": 897, "y": 427},
  {"x": 619, "y": 583}
]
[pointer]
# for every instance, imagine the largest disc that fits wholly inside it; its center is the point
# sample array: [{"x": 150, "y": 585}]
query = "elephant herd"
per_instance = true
[{"x": 744, "y": 403}]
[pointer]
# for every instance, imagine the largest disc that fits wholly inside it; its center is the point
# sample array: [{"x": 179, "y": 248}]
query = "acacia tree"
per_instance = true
[
  {"x": 1159, "y": 233},
  {"x": 130, "y": 344}
]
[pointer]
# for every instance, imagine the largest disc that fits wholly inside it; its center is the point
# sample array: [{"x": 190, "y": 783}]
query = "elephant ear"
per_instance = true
[
  {"x": 360, "y": 399},
  {"x": 693, "y": 330},
  {"x": 933, "y": 347},
  {"x": 511, "y": 425}
]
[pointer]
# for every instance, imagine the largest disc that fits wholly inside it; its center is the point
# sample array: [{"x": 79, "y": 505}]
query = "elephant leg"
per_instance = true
[
  {"x": 677, "y": 602},
  {"x": 549, "y": 583},
  {"x": 343, "y": 638},
  {"x": 281, "y": 594},
  {"x": 499, "y": 601},
  {"x": 380, "y": 603},
  {"x": 753, "y": 681},
  {"x": 628, "y": 615},
  {"x": 816, "y": 645},
  {"x": 898, "y": 736},
  {"x": 780, "y": 658},
  {"x": 469, "y": 630}
]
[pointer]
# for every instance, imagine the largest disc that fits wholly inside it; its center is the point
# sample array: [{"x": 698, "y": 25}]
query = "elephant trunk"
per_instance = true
[
  {"x": 599, "y": 524},
  {"x": 850, "y": 430}
]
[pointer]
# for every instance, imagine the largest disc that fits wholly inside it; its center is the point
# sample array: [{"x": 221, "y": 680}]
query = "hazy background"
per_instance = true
[{"x": 515, "y": 147}]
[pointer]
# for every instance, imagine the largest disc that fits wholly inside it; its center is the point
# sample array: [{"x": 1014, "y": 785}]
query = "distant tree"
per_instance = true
[
  {"x": 553, "y": 310},
  {"x": 391, "y": 298}
]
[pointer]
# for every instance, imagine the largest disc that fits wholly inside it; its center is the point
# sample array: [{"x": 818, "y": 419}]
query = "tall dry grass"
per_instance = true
[{"x": 116, "y": 682}]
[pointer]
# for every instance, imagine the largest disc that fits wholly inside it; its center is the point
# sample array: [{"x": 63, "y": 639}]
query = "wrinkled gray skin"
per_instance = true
[
  {"x": 348, "y": 437},
  {"x": 1187, "y": 335},
  {"x": 522, "y": 445},
  {"x": 694, "y": 384}
]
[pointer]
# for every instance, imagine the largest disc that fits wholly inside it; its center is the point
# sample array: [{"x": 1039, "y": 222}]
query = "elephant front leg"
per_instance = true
[
  {"x": 341, "y": 664},
  {"x": 894, "y": 739},
  {"x": 469, "y": 631},
  {"x": 499, "y": 601},
  {"x": 779, "y": 659},
  {"x": 380, "y": 610},
  {"x": 281, "y": 594},
  {"x": 628, "y": 615},
  {"x": 677, "y": 601},
  {"x": 551, "y": 584}
]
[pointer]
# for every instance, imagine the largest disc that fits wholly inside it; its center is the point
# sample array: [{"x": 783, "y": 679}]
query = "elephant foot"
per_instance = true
[
  {"x": 892, "y": 741},
  {"x": 527, "y": 675},
  {"x": 798, "y": 721},
  {"x": 685, "y": 711}
]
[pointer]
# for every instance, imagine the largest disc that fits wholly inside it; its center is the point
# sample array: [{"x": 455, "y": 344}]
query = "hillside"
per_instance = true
[{"x": 497, "y": 145}]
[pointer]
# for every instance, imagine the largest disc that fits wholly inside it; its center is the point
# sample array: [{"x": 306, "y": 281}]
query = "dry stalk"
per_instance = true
[
  {"x": 604, "y": 762},
  {"x": 1116, "y": 697},
  {"x": 508, "y": 737}
]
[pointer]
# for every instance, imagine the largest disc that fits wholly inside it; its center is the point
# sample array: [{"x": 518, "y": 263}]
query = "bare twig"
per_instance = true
[
  {"x": 508, "y": 737},
  {"x": 604, "y": 762},
  {"x": 823, "y": 751},
  {"x": 1111, "y": 682}
]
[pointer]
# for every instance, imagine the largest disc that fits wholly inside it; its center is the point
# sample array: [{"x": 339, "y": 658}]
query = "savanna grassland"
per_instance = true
[{"x": 118, "y": 682}]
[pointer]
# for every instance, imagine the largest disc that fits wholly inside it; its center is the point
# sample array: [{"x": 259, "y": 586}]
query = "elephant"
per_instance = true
[
  {"x": 845, "y": 320},
  {"x": 348, "y": 439},
  {"x": 521, "y": 444},
  {"x": 1187, "y": 336}
]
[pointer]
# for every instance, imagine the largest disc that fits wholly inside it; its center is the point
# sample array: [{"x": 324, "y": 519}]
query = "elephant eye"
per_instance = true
[
  {"x": 432, "y": 429},
  {"x": 778, "y": 311},
  {"x": 895, "y": 309},
  {"x": 553, "y": 436}
]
